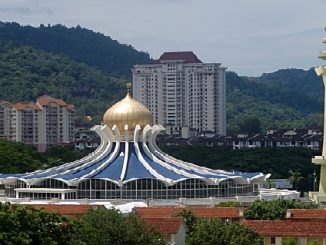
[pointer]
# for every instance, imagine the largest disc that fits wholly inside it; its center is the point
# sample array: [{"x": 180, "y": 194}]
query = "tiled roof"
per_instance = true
[
  {"x": 45, "y": 100},
  {"x": 307, "y": 214},
  {"x": 187, "y": 57},
  {"x": 21, "y": 106},
  {"x": 198, "y": 211},
  {"x": 67, "y": 209},
  {"x": 294, "y": 228},
  {"x": 164, "y": 225},
  {"x": 3, "y": 102}
]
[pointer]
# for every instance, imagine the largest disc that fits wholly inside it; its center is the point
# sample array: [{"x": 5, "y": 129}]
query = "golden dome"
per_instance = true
[{"x": 127, "y": 111}]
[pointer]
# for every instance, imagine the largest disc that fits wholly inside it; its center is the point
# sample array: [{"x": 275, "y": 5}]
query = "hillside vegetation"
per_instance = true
[
  {"x": 274, "y": 104},
  {"x": 77, "y": 64},
  {"x": 80, "y": 44},
  {"x": 26, "y": 73}
]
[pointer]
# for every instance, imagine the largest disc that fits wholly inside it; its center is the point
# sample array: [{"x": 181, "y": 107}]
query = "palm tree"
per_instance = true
[{"x": 295, "y": 178}]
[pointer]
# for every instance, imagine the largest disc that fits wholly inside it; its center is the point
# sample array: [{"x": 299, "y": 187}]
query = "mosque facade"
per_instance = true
[{"x": 129, "y": 165}]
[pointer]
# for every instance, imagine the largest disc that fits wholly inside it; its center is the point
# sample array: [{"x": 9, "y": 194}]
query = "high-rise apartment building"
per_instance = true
[
  {"x": 183, "y": 93},
  {"x": 43, "y": 124}
]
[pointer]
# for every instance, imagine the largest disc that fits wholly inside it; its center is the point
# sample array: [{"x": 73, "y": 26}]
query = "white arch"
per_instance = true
[
  {"x": 126, "y": 155},
  {"x": 186, "y": 165},
  {"x": 113, "y": 155},
  {"x": 148, "y": 130},
  {"x": 168, "y": 181}
]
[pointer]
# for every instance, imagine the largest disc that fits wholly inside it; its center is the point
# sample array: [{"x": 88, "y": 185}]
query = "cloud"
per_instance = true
[
  {"x": 250, "y": 37},
  {"x": 23, "y": 7}
]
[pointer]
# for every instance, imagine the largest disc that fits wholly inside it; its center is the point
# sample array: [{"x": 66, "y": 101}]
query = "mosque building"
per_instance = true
[{"x": 129, "y": 165}]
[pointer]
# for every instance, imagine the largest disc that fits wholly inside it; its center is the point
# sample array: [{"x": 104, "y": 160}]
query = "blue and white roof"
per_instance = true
[{"x": 124, "y": 158}]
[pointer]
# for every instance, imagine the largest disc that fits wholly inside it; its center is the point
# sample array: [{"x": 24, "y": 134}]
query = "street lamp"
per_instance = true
[{"x": 314, "y": 181}]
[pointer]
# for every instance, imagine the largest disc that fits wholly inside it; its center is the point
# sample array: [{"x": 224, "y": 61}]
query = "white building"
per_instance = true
[
  {"x": 45, "y": 123},
  {"x": 5, "y": 119},
  {"x": 183, "y": 93}
]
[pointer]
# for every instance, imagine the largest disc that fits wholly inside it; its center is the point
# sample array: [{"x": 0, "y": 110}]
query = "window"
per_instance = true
[{"x": 273, "y": 240}]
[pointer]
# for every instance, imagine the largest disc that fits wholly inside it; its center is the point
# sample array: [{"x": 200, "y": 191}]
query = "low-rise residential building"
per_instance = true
[
  {"x": 173, "y": 229},
  {"x": 305, "y": 138},
  {"x": 43, "y": 124}
]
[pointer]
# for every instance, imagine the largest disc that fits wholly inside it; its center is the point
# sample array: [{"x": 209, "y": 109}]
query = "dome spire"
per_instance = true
[
  {"x": 129, "y": 112},
  {"x": 129, "y": 86}
]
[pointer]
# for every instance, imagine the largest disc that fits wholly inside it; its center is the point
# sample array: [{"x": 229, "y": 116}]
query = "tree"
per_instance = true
[
  {"x": 250, "y": 126},
  {"x": 273, "y": 210},
  {"x": 102, "y": 226},
  {"x": 19, "y": 158},
  {"x": 214, "y": 231},
  {"x": 189, "y": 218},
  {"x": 25, "y": 225},
  {"x": 295, "y": 178}
]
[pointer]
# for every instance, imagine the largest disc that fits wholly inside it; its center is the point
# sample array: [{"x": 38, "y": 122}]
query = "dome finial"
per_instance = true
[
  {"x": 128, "y": 85},
  {"x": 127, "y": 112}
]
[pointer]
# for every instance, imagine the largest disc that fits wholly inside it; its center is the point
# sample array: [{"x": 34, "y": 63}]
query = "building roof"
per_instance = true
[
  {"x": 186, "y": 56},
  {"x": 294, "y": 228},
  {"x": 22, "y": 106},
  {"x": 206, "y": 212},
  {"x": 41, "y": 101},
  {"x": 3, "y": 102},
  {"x": 46, "y": 100},
  {"x": 69, "y": 210},
  {"x": 164, "y": 225},
  {"x": 307, "y": 214}
]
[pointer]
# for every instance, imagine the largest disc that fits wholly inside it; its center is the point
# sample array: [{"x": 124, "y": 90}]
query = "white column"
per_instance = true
[{"x": 321, "y": 160}]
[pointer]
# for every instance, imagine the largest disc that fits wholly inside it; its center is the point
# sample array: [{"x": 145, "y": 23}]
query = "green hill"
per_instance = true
[
  {"x": 74, "y": 63},
  {"x": 79, "y": 44},
  {"x": 276, "y": 100},
  {"x": 26, "y": 73}
]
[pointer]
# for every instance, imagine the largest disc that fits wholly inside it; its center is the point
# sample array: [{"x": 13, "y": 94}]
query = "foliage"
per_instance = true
[
  {"x": 277, "y": 161},
  {"x": 286, "y": 98},
  {"x": 273, "y": 210},
  {"x": 214, "y": 231},
  {"x": 189, "y": 219},
  {"x": 289, "y": 241},
  {"x": 77, "y": 43},
  {"x": 26, "y": 73},
  {"x": 295, "y": 178},
  {"x": 19, "y": 158},
  {"x": 58, "y": 155},
  {"x": 104, "y": 227},
  {"x": 276, "y": 99},
  {"x": 25, "y": 225},
  {"x": 228, "y": 204},
  {"x": 250, "y": 126}
]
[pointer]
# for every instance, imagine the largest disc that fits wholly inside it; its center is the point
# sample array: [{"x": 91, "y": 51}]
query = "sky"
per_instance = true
[{"x": 249, "y": 37}]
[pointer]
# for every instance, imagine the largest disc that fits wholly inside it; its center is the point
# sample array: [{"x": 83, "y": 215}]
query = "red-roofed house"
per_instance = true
[
  {"x": 69, "y": 210},
  {"x": 173, "y": 229},
  {"x": 306, "y": 214},
  {"x": 227, "y": 214},
  {"x": 302, "y": 232}
]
